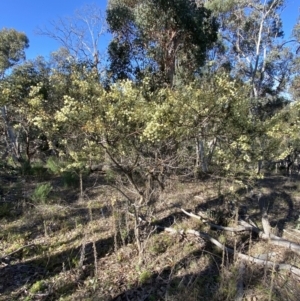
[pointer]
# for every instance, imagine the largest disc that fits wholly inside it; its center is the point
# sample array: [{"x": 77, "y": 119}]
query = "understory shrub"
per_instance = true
[{"x": 41, "y": 193}]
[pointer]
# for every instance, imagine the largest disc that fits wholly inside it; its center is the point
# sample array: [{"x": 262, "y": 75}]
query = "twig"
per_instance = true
[{"x": 16, "y": 251}]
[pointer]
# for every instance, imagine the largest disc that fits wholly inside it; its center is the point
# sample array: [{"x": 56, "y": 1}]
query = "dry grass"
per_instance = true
[{"x": 65, "y": 235}]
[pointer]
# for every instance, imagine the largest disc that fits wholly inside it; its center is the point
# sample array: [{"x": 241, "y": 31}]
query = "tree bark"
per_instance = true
[{"x": 12, "y": 139}]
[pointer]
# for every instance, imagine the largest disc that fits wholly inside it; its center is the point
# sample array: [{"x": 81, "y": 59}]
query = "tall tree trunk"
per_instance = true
[
  {"x": 264, "y": 15},
  {"x": 11, "y": 138}
]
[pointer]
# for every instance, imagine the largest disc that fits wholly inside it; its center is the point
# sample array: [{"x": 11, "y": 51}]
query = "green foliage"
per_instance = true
[
  {"x": 144, "y": 276},
  {"x": 156, "y": 34},
  {"x": 248, "y": 48},
  {"x": 122, "y": 125},
  {"x": 143, "y": 129},
  {"x": 59, "y": 167},
  {"x": 38, "y": 169},
  {"x": 110, "y": 176},
  {"x": 70, "y": 179},
  {"x": 160, "y": 244},
  {"x": 12, "y": 48},
  {"x": 10, "y": 164},
  {"x": 53, "y": 165},
  {"x": 41, "y": 193},
  {"x": 38, "y": 286}
]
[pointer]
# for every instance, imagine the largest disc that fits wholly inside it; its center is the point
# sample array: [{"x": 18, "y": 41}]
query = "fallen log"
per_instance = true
[
  {"x": 244, "y": 226},
  {"x": 279, "y": 267},
  {"x": 218, "y": 227},
  {"x": 273, "y": 239}
]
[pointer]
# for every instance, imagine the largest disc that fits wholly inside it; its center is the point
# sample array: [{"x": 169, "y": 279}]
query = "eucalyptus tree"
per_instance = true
[
  {"x": 295, "y": 87},
  {"x": 12, "y": 51},
  {"x": 12, "y": 48},
  {"x": 167, "y": 39},
  {"x": 251, "y": 48},
  {"x": 250, "y": 44}
]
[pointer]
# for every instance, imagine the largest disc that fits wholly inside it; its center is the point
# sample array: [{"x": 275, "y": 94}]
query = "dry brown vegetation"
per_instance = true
[{"x": 82, "y": 248}]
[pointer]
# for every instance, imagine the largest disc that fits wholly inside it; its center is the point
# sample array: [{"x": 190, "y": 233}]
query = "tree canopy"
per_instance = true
[
  {"x": 12, "y": 48},
  {"x": 167, "y": 38}
]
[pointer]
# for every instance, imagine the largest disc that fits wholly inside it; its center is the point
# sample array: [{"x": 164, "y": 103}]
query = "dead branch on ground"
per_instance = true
[
  {"x": 279, "y": 267},
  {"x": 244, "y": 226}
]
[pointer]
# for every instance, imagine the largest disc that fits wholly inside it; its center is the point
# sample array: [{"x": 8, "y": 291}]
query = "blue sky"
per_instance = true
[{"x": 28, "y": 15}]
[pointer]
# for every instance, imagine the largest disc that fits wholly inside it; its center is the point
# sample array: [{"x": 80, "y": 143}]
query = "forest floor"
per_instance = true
[{"x": 68, "y": 247}]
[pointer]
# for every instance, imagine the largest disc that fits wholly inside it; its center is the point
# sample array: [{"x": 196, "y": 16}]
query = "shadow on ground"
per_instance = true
[
  {"x": 16, "y": 274},
  {"x": 163, "y": 285}
]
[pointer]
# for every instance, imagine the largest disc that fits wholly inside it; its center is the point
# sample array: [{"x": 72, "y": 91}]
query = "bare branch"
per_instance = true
[{"x": 80, "y": 34}]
